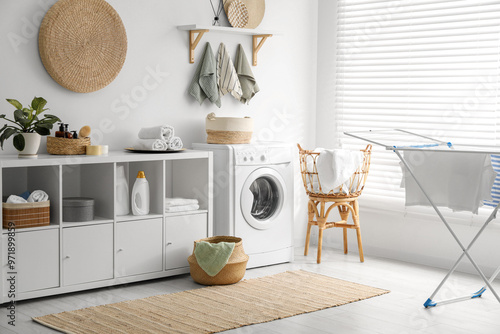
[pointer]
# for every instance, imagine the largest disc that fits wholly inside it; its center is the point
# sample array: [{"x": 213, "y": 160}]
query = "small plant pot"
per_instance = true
[{"x": 31, "y": 145}]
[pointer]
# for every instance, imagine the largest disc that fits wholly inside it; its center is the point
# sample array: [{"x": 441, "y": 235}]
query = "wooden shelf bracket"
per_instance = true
[
  {"x": 257, "y": 45},
  {"x": 193, "y": 42}
]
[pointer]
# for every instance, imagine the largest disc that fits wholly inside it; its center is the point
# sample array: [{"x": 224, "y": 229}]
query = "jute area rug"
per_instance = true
[{"x": 215, "y": 308}]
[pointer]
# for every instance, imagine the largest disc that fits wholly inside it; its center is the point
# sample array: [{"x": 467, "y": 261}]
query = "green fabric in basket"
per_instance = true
[{"x": 212, "y": 257}]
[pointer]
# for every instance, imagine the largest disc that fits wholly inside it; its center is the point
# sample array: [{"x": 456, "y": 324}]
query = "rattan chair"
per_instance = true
[{"x": 321, "y": 202}]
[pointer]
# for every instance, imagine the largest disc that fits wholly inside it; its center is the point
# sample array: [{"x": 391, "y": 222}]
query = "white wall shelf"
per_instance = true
[
  {"x": 196, "y": 32},
  {"x": 110, "y": 249}
]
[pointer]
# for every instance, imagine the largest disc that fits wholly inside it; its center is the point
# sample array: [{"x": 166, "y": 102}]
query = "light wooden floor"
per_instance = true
[{"x": 398, "y": 312}]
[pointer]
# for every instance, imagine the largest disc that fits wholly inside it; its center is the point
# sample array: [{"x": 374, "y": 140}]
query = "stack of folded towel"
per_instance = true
[
  {"x": 180, "y": 204},
  {"x": 158, "y": 138},
  {"x": 27, "y": 197}
]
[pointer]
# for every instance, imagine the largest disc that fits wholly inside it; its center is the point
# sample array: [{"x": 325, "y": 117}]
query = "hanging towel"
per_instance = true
[
  {"x": 213, "y": 257},
  {"x": 335, "y": 167},
  {"x": 38, "y": 196},
  {"x": 176, "y": 201},
  {"x": 204, "y": 83},
  {"x": 249, "y": 86},
  {"x": 151, "y": 144},
  {"x": 459, "y": 181},
  {"x": 162, "y": 132},
  {"x": 180, "y": 208},
  {"x": 16, "y": 199},
  {"x": 226, "y": 74},
  {"x": 175, "y": 143}
]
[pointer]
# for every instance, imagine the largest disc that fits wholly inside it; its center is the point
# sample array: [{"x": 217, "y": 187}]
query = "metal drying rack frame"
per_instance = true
[{"x": 434, "y": 145}]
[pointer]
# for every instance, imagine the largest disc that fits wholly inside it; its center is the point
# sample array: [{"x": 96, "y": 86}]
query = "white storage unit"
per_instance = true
[{"x": 110, "y": 249}]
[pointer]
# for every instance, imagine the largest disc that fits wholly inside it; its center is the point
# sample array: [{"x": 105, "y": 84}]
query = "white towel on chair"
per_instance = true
[
  {"x": 151, "y": 144},
  {"x": 459, "y": 181},
  {"x": 38, "y": 196},
  {"x": 162, "y": 132},
  {"x": 180, "y": 208},
  {"x": 335, "y": 167},
  {"x": 16, "y": 199},
  {"x": 175, "y": 143}
]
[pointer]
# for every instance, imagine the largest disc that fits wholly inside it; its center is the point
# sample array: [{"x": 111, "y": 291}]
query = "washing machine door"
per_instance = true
[{"x": 262, "y": 197}]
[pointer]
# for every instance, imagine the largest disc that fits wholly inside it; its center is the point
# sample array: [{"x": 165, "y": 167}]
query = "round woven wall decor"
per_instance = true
[
  {"x": 256, "y": 10},
  {"x": 237, "y": 14},
  {"x": 82, "y": 44}
]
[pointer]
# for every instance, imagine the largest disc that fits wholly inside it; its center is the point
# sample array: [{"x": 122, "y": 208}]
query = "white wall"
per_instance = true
[
  {"x": 396, "y": 234},
  {"x": 283, "y": 110}
]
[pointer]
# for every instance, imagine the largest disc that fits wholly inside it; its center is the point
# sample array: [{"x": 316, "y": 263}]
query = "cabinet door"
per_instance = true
[
  {"x": 87, "y": 254},
  {"x": 180, "y": 234},
  {"x": 36, "y": 260},
  {"x": 139, "y": 247}
]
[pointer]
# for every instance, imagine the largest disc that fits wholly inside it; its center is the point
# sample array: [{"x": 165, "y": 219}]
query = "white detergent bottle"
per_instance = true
[
  {"x": 140, "y": 195},
  {"x": 122, "y": 205}
]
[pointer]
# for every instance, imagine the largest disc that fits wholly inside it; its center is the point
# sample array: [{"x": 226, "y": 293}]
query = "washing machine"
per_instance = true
[{"x": 253, "y": 198}]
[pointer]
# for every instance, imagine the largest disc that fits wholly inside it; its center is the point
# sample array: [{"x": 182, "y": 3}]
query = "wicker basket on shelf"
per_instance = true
[
  {"x": 26, "y": 214},
  {"x": 66, "y": 146}
]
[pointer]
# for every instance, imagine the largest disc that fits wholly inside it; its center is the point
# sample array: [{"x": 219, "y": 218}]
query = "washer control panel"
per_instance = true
[{"x": 252, "y": 156}]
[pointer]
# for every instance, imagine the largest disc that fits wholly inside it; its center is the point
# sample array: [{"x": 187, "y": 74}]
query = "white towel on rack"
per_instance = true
[
  {"x": 38, "y": 196},
  {"x": 151, "y": 144},
  {"x": 227, "y": 77},
  {"x": 162, "y": 132},
  {"x": 176, "y": 201},
  {"x": 180, "y": 208},
  {"x": 335, "y": 167},
  {"x": 459, "y": 181},
  {"x": 175, "y": 143},
  {"x": 16, "y": 199}
]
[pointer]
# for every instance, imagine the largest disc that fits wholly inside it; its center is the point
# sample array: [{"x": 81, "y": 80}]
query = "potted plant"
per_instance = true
[{"x": 27, "y": 126}]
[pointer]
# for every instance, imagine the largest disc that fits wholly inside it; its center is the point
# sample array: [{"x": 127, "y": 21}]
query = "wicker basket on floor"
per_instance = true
[
  {"x": 66, "y": 146},
  {"x": 232, "y": 272},
  {"x": 25, "y": 214}
]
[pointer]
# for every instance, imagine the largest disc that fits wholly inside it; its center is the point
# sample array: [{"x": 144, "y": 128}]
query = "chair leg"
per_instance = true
[
  {"x": 355, "y": 218},
  {"x": 345, "y": 240},
  {"x": 344, "y": 215},
  {"x": 308, "y": 235},
  {"x": 320, "y": 244}
]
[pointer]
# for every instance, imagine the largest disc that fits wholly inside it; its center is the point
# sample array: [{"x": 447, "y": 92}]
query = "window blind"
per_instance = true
[{"x": 427, "y": 66}]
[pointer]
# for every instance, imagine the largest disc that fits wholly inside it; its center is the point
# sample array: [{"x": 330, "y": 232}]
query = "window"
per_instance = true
[{"x": 427, "y": 66}]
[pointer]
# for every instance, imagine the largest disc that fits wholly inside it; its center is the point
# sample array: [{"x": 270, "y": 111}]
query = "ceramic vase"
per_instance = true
[{"x": 31, "y": 145}]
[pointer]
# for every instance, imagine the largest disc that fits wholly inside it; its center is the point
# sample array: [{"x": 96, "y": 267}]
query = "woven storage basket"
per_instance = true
[
  {"x": 26, "y": 214},
  {"x": 65, "y": 146},
  {"x": 228, "y": 130},
  {"x": 232, "y": 272}
]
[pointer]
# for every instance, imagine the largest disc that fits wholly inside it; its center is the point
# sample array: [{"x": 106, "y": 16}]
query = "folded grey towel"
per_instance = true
[
  {"x": 204, "y": 83},
  {"x": 248, "y": 84},
  {"x": 163, "y": 132}
]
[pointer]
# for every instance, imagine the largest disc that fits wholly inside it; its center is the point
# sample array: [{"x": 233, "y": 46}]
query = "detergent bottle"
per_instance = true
[
  {"x": 140, "y": 195},
  {"x": 122, "y": 204}
]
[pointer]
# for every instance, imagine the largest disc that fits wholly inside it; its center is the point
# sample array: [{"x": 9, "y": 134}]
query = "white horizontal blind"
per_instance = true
[{"x": 427, "y": 66}]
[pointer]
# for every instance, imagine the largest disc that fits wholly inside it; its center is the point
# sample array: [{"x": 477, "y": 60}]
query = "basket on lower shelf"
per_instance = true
[
  {"x": 232, "y": 272},
  {"x": 26, "y": 214},
  {"x": 66, "y": 146}
]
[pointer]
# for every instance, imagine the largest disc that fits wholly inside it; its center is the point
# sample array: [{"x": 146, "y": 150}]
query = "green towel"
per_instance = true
[
  {"x": 248, "y": 84},
  {"x": 204, "y": 83},
  {"x": 213, "y": 257}
]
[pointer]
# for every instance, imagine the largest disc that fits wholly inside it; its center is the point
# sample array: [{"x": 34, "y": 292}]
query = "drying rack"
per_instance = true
[{"x": 398, "y": 140}]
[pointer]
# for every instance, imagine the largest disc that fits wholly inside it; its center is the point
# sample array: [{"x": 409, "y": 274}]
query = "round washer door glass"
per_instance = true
[{"x": 262, "y": 197}]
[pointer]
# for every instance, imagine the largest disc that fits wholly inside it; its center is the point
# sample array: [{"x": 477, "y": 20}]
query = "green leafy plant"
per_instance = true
[{"x": 26, "y": 120}]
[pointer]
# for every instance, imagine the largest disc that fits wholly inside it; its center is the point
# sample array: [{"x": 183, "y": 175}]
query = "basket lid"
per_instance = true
[{"x": 78, "y": 201}]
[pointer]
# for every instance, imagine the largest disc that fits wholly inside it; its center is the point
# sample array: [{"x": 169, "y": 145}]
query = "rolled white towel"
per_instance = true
[
  {"x": 175, "y": 143},
  {"x": 38, "y": 196},
  {"x": 16, "y": 199},
  {"x": 162, "y": 132},
  {"x": 179, "y": 208},
  {"x": 151, "y": 144},
  {"x": 179, "y": 201}
]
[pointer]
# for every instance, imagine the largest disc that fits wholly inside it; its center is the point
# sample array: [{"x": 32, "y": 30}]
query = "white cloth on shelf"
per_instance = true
[
  {"x": 180, "y": 208},
  {"x": 151, "y": 144},
  {"x": 16, "y": 199},
  {"x": 162, "y": 132},
  {"x": 227, "y": 78},
  {"x": 175, "y": 143},
  {"x": 335, "y": 167},
  {"x": 38, "y": 196},
  {"x": 176, "y": 201},
  {"x": 459, "y": 181}
]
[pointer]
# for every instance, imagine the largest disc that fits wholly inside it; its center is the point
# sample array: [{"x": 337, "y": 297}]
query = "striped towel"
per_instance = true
[
  {"x": 495, "y": 190},
  {"x": 226, "y": 74},
  {"x": 204, "y": 83},
  {"x": 247, "y": 80}
]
